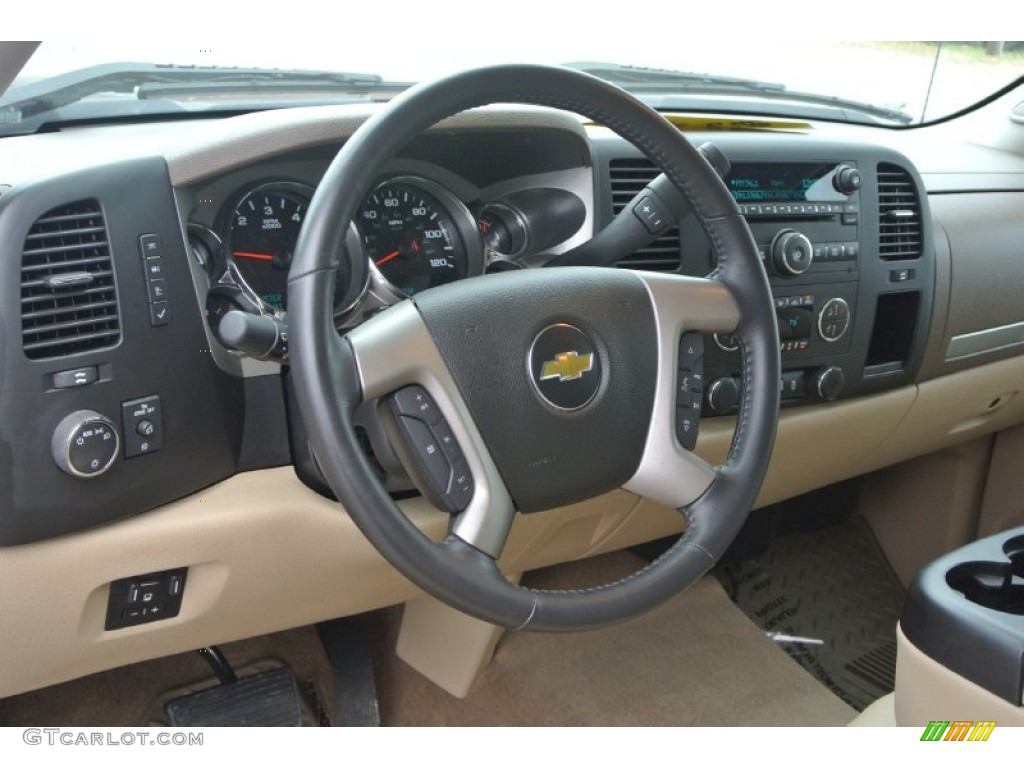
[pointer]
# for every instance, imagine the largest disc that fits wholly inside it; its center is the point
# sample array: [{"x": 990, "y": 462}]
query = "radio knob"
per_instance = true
[
  {"x": 847, "y": 180},
  {"x": 85, "y": 444},
  {"x": 723, "y": 395},
  {"x": 792, "y": 252},
  {"x": 829, "y": 382}
]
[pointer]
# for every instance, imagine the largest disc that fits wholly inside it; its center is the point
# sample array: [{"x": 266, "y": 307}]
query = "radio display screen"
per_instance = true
[{"x": 783, "y": 182}]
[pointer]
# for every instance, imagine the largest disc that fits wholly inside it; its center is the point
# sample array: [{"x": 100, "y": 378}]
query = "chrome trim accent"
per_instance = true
[
  {"x": 988, "y": 340},
  {"x": 395, "y": 348},
  {"x": 821, "y": 316},
  {"x": 668, "y": 473},
  {"x": 465, "y": 224}
]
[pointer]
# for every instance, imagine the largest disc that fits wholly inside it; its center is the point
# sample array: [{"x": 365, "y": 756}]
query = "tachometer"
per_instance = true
[
  {"x": 263, "y": 232},
  {"x": 418, "y": 234}
]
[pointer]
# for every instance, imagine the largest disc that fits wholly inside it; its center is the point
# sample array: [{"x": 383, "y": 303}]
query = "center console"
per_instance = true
[
  {"x": 844, "y": 234},
  {"x": 961, "y": 653}
]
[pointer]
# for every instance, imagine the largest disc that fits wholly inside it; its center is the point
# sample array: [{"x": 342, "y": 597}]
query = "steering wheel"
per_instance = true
[{"x": 533, "y": 436}]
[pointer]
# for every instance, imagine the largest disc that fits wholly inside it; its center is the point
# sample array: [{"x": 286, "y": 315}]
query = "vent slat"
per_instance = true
[
  {"x": 63, "y": 321},
  {"x": 53, "y": 250},
  {"x": 49, "y": 347},
  {"x": 59, "y": 311},
  {"x": 628, "y": 177},
  {"x": 62, "y": 233},
  {"x": 899, "y": 215}
]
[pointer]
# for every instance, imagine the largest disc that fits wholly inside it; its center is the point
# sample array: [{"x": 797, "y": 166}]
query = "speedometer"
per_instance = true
[{"x": 414, "y": 232}]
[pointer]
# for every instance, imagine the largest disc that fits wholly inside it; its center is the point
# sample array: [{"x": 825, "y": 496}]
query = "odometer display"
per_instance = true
[{"x": 411, "y": 236}]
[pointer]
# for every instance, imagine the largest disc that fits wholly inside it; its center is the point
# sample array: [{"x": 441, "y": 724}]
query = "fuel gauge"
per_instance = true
[{"x": 503, "y": 229}]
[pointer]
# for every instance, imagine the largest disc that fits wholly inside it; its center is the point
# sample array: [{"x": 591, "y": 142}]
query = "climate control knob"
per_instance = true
[
  {"x": 834, "y": 320},
  {"x": 792, "y": 252},
  {"x": 723, "y": 395},
  {"x": 829, "y": 382},
  {"x": 85, "y": 444}
]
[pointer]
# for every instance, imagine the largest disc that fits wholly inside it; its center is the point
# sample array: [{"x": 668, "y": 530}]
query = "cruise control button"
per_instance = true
[
  {"x": 461, "y": 491},
  {"x": 427, "y": 448},
  {"x": 416, "y": 401}
]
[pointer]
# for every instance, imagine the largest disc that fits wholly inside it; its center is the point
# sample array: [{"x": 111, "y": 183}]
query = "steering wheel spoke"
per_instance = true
[
  {"x": 668, "y": 471},
  {"x": 395, "y": 350}
]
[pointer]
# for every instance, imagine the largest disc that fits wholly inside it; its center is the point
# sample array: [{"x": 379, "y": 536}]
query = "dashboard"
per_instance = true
[{"x": 128, "y": 246}]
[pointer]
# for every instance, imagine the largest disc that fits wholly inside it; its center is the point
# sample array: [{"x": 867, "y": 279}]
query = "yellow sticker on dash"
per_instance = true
[{"x": 695, "y": 123}]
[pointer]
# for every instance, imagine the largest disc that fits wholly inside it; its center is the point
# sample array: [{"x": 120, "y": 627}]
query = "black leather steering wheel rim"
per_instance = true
[{"x": 328, "y": 380}]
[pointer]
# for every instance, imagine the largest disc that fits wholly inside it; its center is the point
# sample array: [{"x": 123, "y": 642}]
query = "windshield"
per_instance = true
[{"x": 887, "y": 83}]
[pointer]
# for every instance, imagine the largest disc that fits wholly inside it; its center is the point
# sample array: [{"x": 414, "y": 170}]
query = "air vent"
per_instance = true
[
  {"x": 899, "y": 214},
  {"x": 68, "y": 298},
  {"x": 629, "y": 176}
]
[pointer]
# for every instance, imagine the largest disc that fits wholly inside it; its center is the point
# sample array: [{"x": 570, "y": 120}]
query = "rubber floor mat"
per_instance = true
[{"x": 832, "y": 585}]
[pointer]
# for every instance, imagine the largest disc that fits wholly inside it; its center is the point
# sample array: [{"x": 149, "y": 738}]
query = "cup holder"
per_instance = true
[
  {"x": 999, "y": 586},
  {"x": 1014, "y": 550}
]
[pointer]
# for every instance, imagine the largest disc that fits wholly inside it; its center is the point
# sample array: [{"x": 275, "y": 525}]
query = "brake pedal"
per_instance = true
[{"x": 268, "y": 699}]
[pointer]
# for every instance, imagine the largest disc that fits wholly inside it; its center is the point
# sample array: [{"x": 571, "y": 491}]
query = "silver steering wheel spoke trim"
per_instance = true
[
  {"x": 396, "y": 350},
  {"x": 669, "y": 473}
]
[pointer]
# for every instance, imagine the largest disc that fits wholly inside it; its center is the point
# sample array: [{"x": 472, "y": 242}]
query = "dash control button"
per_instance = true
[
  {"x": 149, "y": 246},
  {"x": 76, "y": 378},
  {"x": 142, "y": 424}
]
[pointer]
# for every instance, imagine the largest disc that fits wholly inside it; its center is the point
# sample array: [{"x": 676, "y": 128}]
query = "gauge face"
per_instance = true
[
  {"x": 411, "y": 235},
  {"x": 264, "y": 230}
]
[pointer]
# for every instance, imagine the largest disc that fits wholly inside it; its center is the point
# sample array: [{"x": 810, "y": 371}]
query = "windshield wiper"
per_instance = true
[
  {"x": 146, "y": 81},
  {"x": 659, "y": 81}
]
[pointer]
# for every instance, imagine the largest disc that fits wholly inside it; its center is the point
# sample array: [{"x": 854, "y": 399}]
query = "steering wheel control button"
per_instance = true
[
  {"x": 834, "y": 320},
  {"x": 142, "y": 426},
  {"x": 432, "y": 449},
  {"x": 146, "y": 598},
  {"x": 691, "y": 350},
  {"x": 446, "y": 439},
  {"x": 78, "y": 377},
  {"x": 460, "y": 493},
  {"x": 689, "y": 388},
  {"x": 415, "y": 401},
  {"x": 565, "y": 367},
  {"x": 84, "y": 444}
]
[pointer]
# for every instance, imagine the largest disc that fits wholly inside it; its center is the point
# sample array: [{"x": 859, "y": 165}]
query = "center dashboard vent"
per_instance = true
[
  {"x": 628, "y": 177},
  {"x": 899, "y": 214},
  {"x": 68, "y": 295}
]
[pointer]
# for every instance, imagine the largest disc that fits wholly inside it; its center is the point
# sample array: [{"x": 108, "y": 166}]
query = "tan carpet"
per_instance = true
[
  {"x": 695, "y": 661},
  {"x": 132, "y": 695}
]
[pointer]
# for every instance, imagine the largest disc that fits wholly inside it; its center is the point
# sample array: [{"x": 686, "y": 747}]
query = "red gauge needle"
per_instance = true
[
  {"x": 256, "y": 256},
  {"x": 389, "y": 257}
]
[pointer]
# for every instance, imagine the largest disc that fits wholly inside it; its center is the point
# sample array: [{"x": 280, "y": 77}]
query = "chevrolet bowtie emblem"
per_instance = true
[{"x": 567, "y": 366}]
